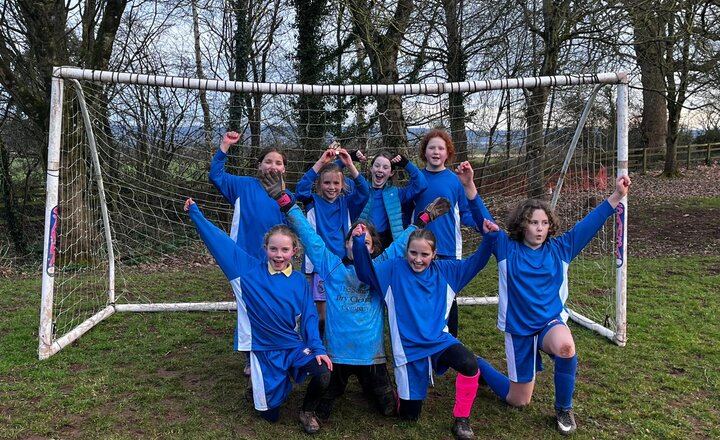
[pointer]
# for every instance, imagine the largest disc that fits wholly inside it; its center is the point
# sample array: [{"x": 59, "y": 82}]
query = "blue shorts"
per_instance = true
[
  {"x": 523, "y": 353},
  {"x": 413, "y": 378},
  {"x": 271, "y": 374},
  {"x": 318, "y": 288}
]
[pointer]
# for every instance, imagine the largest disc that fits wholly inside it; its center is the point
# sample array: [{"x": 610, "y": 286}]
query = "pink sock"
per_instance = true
[{"x": 465, "y": 391}]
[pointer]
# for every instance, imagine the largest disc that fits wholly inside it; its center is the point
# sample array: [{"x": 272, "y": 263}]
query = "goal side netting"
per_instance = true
[{"x": 125, "y": 150}]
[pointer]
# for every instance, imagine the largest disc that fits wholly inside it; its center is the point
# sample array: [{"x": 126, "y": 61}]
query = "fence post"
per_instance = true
[
  {"x": 707, "y": 156},
  {"x": 689, "y": 147},
  {"x": 644, "y": 160}
]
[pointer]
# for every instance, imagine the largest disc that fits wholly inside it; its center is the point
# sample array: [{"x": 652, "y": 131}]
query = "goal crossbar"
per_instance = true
[{"x": 49, "y": 345}]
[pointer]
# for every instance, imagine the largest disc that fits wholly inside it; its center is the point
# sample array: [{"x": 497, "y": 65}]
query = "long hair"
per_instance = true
[
  {"x": 444, "y": 135},
  {"x": 520, "y": 216}
]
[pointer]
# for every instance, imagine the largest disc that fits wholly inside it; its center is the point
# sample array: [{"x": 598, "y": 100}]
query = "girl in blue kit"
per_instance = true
[
  {"x": 331, "y": 209},
  {"x": 533, "y": 288},
  {"x": 436, "y": 151},
  {"x": 384, "y": 207},
  {"x": 273, "y": 301},
  {"x": 418, "y": 291},
  {"x": 248, "y": 198},
  {"x": 354, "y": 332}
]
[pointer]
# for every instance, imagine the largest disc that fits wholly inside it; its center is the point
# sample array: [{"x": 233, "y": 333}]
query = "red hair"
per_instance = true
[{"x": 442, "y": 134}]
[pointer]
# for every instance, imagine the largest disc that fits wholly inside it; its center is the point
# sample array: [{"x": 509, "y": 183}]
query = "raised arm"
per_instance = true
[
  {"x": 479, "y": 211},
  {"x": 363, "y": 263},
  {"x": 231, "y": 258},
  {"x": 575, "y": 240},
  {"x": 463, "y": 271},
  {"x": 417, "y": 184},
  {"x": 224, "y": 182},
  {"x": 323, "y": 260}
]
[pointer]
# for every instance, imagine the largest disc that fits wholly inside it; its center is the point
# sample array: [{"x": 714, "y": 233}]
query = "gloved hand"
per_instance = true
[
  {"x": 433, "y": 210},
  {"x": 272, "y": 183},
  {"x": 402, "y": 162}
]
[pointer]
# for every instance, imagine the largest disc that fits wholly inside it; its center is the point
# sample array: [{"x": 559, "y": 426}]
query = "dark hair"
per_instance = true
[
  {"x": 282, "y": 230},
  {"x": 444, "y": 135},
  {"x": 520, "y": 216},
  {"x": 377, "y": 243},
  {"x": 424, "y": 234},
  {"x": 267, "y": 150},
  {"x": 389, "y": 156}
]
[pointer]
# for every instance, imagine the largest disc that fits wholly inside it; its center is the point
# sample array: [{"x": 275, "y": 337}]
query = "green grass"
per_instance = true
[
  {"x": 700, "y": 202},
  {"x": 173, "y": 375}
]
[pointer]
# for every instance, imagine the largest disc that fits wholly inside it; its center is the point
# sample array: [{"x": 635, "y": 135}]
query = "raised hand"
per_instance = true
[
  {"x": 188, "y": 202},
  {"x": 359, "y": 230},
  {"x": 465, "y": 173},
  {"x": 399, "y": 161},
  {"x": 230, "y": 138},
  {"x": 272, "y": 183},
  {"x": 433, "y": 210},
  {"x": 489, "y": 226},
  {"x": 357, "y": 156}
]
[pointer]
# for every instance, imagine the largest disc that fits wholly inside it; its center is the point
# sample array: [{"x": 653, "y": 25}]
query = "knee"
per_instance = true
[
  {"x": 519, "y": 401},
  {"x": 324, "y": 379},
  {"x": 566, "y": 350}
]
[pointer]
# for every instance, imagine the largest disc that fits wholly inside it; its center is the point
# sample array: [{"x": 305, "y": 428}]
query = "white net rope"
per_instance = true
[{"x": 154, "y": 154}]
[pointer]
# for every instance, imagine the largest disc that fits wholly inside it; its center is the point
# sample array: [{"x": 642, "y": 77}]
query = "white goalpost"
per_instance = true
[{"x": 125, "y": 150}]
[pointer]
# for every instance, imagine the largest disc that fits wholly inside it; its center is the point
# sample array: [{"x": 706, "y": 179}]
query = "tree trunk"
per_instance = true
[
  {"x": 15, "y": 227},
  {"x": 456, "y": 71},
  {"x": 382, "y": 50},
  {"x": 207, "y": 123}
]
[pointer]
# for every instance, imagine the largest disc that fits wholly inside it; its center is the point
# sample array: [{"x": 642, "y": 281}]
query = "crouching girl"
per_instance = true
[{"x": 272, "y": 301}]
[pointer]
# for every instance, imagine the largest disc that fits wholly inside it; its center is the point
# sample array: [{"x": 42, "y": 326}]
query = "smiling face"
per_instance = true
[
  {"x": 381, "y": 171},
  {"x": 273, "y": 161},
  {"x": 436, "y": 153},
  {"x": 420, "y": 253},
  {"x": 280, "y": 251},
  {"x": 536, "y": 229},
  {"x": 331, "y": 185}
]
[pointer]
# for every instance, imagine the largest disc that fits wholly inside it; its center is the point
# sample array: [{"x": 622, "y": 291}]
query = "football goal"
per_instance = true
[{"x": 126, "y": 149}]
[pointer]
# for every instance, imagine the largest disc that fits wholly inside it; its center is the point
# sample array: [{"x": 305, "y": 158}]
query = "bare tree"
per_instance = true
[{"x": 381, "y": 32}]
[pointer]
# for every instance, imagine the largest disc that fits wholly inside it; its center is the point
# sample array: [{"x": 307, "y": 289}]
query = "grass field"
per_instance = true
[{"x": 174, "y": 375}]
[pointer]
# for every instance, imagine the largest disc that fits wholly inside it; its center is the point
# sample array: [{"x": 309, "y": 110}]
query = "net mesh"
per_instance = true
[{"x": 154, "y": 153}]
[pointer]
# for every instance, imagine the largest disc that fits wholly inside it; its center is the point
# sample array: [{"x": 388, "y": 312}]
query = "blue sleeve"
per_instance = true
[
  {"x": 310, "y": 331},
  {"x": 322, "y": 259},
  {"x": 460, "y": 272},
  {"x": 479, "y": 211},
  {"x": 397, "y": 248},
  {"x": 574, "y": 241},
  {"x": 466, "y": 217},
  {"x": 304, "y": 188},
  {"x": 222, "y": 180},
  {"x": 358, "y": 198},
  {"x": 364, "y": 267},
  {"x": 418, "y": 184},
  {"x": 231, "y": 258}
]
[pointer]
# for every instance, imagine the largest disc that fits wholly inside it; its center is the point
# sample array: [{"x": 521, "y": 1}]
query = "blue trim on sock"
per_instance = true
[
  {"x": 497, "y": 381},
  {"x": 565, "y": 369}
]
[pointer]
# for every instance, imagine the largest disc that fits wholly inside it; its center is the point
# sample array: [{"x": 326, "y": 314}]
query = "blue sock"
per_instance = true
[
  {"x": 497, "y": 381},
  {"x": 565, "y": 369}
]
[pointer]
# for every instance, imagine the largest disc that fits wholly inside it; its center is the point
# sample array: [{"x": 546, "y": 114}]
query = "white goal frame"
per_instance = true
[{"x": 62, "y": 76}]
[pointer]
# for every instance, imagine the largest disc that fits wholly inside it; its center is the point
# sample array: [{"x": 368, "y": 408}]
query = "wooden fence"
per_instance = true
[{"x": 687, "y": 155}]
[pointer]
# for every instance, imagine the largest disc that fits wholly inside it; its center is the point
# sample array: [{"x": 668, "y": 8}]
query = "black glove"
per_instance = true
[
  {"x": 272, "y": 183},
  {"x": 402, "y": 163},
  {"x": 354, "y": 155},
  {"x": 433, "y": 210}
]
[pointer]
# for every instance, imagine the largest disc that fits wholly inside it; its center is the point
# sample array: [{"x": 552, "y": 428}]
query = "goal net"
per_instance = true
[{"x": 125, "y": 150}]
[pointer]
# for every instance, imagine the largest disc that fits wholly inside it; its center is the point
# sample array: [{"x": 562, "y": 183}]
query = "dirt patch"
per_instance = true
[{"x": 660, "y": 224}]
